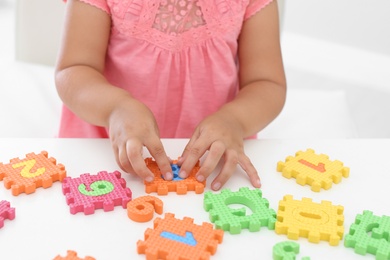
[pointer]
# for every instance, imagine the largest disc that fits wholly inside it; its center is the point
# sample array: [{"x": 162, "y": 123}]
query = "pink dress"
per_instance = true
[{"x": 179, "y": 57}]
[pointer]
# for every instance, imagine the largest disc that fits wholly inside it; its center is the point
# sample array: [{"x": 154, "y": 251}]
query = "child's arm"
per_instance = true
[
  {"x": 83, "y": 88},
  {"x": 260, "y": 99}
]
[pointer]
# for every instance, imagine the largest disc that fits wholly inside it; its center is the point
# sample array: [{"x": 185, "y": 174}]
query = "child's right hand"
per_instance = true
[{"x": 131, "y": 127}]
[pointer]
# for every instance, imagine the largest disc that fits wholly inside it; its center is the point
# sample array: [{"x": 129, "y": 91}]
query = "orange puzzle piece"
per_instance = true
[
  {"x": 177, "y": 239},
  {"x": 142, "y": 208},
  {"x": 36, "y": 170},
  {"x": 72, "y": 255},
  {"x": 181, "y": 186}
]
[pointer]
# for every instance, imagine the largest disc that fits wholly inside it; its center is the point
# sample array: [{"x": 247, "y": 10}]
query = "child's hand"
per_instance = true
[
  {"x": 222, "y": 137},
  {"x": 131, "y": 127}
]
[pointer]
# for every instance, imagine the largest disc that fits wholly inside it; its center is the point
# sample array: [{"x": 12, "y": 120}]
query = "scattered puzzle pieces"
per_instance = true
[
  {"x": 72, "y": 255},
  {"x": 313, "y": 169},
  {"x": 315, "y": 221},
  {"x": 178, "y": 185},
  {"x": 102, "y": 191},
  {"x": 370, "y": 234},
  {"x": 177, "y": 239},
  {"x": 6, "y": 212},
  {"x": 142, "y": 208},
  {"x": 286, "y": 250},
  {"x": 36, "y": 170},
  {"x": 233, "y": 220}
]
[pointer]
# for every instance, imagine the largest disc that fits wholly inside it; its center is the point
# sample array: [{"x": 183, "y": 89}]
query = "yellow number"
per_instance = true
[{"x": 27, "y": 166}]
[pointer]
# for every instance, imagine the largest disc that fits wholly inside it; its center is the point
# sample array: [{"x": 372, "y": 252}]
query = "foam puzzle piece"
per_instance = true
[
  {"x": 178, "y": 185},
  {"x": 142, "y": 208},
  {"x": 6, "y": 212},
  {"x": 36, "y": 170},
  {"x": 102, "y": 191},
  {"x": 370, "y": 234},
  {"x": 72, "y": 255},
  {"x": 313, "y": 169},
  {"x": 315, "y": 221},
  {"x": 177, "y": 239},
  {"x": 286, "y": 250},
  {"x": 234, "y": 220}
]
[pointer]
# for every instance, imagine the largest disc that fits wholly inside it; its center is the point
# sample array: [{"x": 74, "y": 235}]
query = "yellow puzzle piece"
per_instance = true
[
  {"x": 315, "y": 221},
  {"x": 313, "y": 169}
]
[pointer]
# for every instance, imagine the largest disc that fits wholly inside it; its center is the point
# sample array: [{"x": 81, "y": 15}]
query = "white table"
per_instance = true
[{"x": 44, "y": 228}]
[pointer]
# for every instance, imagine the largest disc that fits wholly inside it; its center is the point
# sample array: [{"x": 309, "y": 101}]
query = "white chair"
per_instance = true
[{"x": 307, "y": 114}]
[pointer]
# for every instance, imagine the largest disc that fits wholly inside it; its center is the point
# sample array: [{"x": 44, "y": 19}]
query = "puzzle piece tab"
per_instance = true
[
  {"x": 178, "y": 185},
  {"x": 6, "y": 212},
  {"x": 142, "y": 208},
  {"x": 315, "y": 221},
  {"x": 102, "y": 191},
  {"x": 313, "y": 169},
  {"x": 370, "y": 234},
  {"x": 36, "y": 170},
  {"x": 177, "y": 239},
  {"x": 234, "y": 220},
  {"x": 72, "y": 255}
]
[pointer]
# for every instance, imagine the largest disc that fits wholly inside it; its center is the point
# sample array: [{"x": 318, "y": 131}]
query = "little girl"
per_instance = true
[{"x": 140, "y": 70}]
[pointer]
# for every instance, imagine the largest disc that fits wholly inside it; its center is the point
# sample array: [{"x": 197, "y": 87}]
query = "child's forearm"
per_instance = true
[
  {"x": 256, "y": 105},
  {"x": 87, "y": 93}
]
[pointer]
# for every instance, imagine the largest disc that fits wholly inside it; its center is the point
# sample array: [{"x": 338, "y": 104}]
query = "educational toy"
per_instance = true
[
  {"x": 313, "y": 169},
  {"x": 233, "y": 220},
  {"x": 36, "y": 170},
  {"x": 72, "y": 255},
  {"x": 102, "y": 191},
  {"x": 286, "y": 250},
  {"x": 177, "y": 239},
  {"x": 142, "y": 208},
  {"x": 178, "y": 185},
  {"x": 370, "y": 234},
  {"x": 315, "y": 221},
  {"x": 6, "y": 212}
]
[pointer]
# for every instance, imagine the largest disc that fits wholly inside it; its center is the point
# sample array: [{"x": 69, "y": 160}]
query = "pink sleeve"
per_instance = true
[
  {"x": 101, "y": 4},
  {"x": 255, "y": 6}
]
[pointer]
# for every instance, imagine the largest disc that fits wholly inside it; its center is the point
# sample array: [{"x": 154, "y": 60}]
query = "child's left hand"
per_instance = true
[{"x": 222, "y": 136}]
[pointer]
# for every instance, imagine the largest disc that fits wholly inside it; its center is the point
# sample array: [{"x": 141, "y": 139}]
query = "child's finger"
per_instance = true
[
  {"x": 156, "y": 149},
  {"x": 246, "y": 164},
  {"x": 228, "y": 168},
  {"x": 134, "y": 153},
  {"x": 216, "y": 151},
  {"x": 192, "y": 155}
]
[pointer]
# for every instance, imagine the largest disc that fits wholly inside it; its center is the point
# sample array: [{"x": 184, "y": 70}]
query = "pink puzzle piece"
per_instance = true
[
  {"x": 102, "y": 191},
  {"x": 6, "y": 212}
]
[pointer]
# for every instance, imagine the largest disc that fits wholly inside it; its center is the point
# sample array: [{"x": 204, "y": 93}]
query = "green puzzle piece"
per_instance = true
[
  {"x": 286, "y": 250},
  {"x": 234, "y": 220},
  {"x": 370, "y": 234}
]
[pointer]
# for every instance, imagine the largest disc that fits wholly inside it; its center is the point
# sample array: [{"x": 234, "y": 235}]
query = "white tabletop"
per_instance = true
[{"x": 44, "y": 228}]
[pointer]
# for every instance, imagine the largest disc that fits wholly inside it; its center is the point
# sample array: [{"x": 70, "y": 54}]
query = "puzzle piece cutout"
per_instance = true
[
  {"x": 102, "y": 191},
  {"x": 72, "y": 255},
  {"x": 313, "y": 169},
  {"x": 315, "y": 221},
  {"x": 6, "y": 212},
  {"x": 234, "y": 220},
  {"x": 286, "y": 250},
  {"x": 177, "y": 239},
  {"x": 178, "y": 185},
  {"x": 142, "y": 208},
  {"x": 36, "y": 170},
  {"x": 370, "y": 234}
]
